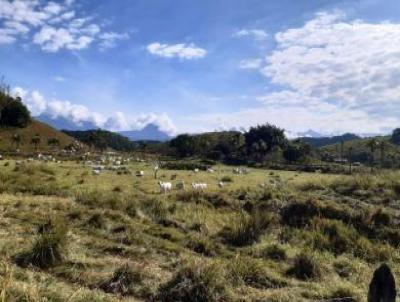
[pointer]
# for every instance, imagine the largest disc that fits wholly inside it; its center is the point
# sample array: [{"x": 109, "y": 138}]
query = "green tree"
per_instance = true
[
  {"x": 296, "y": 151},
  {"x": 184, "y": 145},
  {"x": 396, "y": 136},
  {"x": 372, "y": 144},
  {"x": 263, "y": 138},
  {"x": 53, "y": 142},
  {"x": 36, "y": 141},
  {"x": 382, "y": 147},
  {"x": 14, "y": 113},
  {"x": 16, "y": 140}
]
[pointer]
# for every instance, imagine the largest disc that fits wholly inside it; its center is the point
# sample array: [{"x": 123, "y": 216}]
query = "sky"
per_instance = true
[{"x": 193, "y": 66}]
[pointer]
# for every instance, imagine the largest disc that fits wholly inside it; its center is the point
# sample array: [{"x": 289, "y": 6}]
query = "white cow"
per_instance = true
[
  {"x": 221, "y": 184},
  {"x": 165, "y": 186},
  {"x": 199, "y": 186}
]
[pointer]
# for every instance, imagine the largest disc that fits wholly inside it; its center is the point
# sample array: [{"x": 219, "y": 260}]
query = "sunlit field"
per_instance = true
[{"x": 70, "y": 235}]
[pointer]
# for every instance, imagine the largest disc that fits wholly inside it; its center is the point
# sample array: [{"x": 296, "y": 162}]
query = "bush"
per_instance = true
[
  {"x": 252, "y": 272},
  {"x": 47, "y": 249},
  {"x": 247, "y": 229},
  {"x": 197, "y": 282},
  {"x": 299, "y": 214},
  {"x": 305, "y": 267},
  {"x": 275, "y": 252},
  {"x": 157, "y": 210},
  {"x": 96, "y": 221},
  {"x": 124, "y": 282},
  {"x": 202, "y": 245},
  {"x": 226, "y": 178}
]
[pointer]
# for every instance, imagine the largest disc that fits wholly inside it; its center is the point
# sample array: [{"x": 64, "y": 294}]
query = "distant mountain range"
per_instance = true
[{"x": 151, "y": 132}]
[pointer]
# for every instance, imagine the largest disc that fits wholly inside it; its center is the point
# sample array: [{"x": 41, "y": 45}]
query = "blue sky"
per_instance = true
[{"x": 189, "y": 66}]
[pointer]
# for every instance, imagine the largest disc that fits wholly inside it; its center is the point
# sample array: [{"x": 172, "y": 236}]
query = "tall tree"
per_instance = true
[
  {"x": 372, "y": 144},
  {"x": 382, "y": 147},
  {"x": 16, "y": 140},
  {"x": 36, "y": 141}
]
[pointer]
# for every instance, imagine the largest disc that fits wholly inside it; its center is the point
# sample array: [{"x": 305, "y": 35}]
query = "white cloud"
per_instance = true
[
  {"x": 257, "y": 34},
  {"x": 331, "y": 74},
  {"x": 250, "y": 64},
  {"x": 80, "y": 114},
  {"x": 352, "y": 66},
  {"x": 182, "y": 51},
  {"x": 109, "y": 39},
  {"x": 51, "y": 25}
]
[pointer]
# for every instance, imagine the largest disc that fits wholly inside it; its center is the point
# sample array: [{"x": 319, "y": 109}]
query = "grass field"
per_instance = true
[{"x": 69, "y": 235}]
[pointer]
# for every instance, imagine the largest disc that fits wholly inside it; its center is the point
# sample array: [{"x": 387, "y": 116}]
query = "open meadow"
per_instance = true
[{"x": 68, "y": 234}]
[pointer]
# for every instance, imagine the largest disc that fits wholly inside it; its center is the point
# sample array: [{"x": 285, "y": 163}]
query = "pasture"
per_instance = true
[{"x": 70, "y": 235}]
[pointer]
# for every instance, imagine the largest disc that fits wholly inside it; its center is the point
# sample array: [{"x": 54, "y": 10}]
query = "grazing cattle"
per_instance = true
[
  {"x": 196, "y": 170},
  {"x": 139, "y": 173},
  {"x": 221, "y": 184},
  {"x": 165, "y": 186},
  {"x": 96, "y": 172},
  {"x": 180, "y": 185},
  {"x": 209, "y": 170},
  {"x": 199, "y": 186}
]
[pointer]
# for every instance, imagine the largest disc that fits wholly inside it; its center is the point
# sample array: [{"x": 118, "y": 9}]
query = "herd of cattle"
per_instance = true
[{"x": 120, "y": 164}]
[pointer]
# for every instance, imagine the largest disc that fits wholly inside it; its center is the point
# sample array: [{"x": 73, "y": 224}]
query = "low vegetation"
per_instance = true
[{"x": 266, "y": 236}]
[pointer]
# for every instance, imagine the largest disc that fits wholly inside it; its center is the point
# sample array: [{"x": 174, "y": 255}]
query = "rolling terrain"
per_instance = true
[
  {"x": 265, "y": 236},
  {"x": 44, "y": 131}
]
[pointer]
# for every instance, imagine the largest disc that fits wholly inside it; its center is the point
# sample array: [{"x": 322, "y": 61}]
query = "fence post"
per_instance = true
[{"x": 383, "y": 286}]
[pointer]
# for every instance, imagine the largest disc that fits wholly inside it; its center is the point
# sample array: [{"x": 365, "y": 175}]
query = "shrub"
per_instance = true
[
  {"x": 156, "y": 209},
  {"x": 247, "y": 229},
  {"x": 252, "y": 272},
  {"x": 96, "y": 221},
  {"x": 334, "y": 236},
  {"x": 344, "y": 267},
  {"x": 226, "y": 178},
  {"x": 299, "y": 214},
  {"x": 275, "y": 252},
  {"x": 202, "y": 245},
  {"x": 380, "y": 218},
  {"x": 47, "y": 249},
  {"x": 198, "y": 282},
  {"x": 124, "y": 282},
  {"x": 305, "y": 267}
]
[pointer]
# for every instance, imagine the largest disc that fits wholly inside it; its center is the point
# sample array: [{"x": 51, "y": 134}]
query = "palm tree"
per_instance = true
[
  {"x": 36, "y": 141},
  {"x": 350, "y": 153},
  {"x": 372, "y": 144},
  {"x": 341, "y": 149},
  {"x": 16, "y": 140},
  {"x": 382, "y": 148}
]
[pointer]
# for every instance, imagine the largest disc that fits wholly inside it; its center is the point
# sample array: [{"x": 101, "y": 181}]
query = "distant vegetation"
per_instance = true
[
  {"x": 326, "y": 141},
  {"x": 259, "y": 144},
  {"x": 102, "y": 139},
  {"x": 13, "y": 113}
]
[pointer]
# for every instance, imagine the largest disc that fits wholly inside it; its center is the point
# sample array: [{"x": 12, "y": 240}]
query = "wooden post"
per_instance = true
[{"x": 383, "y": 286}]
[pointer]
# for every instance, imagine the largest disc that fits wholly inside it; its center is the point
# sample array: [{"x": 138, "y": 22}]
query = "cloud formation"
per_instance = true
[
  {"x": 52, "y": 25},
  {"x": 257, "y": 34},
  {"x": 182, "y": 51},
  {"x": 79, "y": 114},
  {"x": 250, "y": 64},
  {"x": 331, "y": 74}
]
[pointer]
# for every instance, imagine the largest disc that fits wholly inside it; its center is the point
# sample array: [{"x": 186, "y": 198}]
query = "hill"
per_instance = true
[
  {"x": 43, "y": 131},
  {"x": 103, "y": 139},
  {"x": 325, "y": 141}
]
